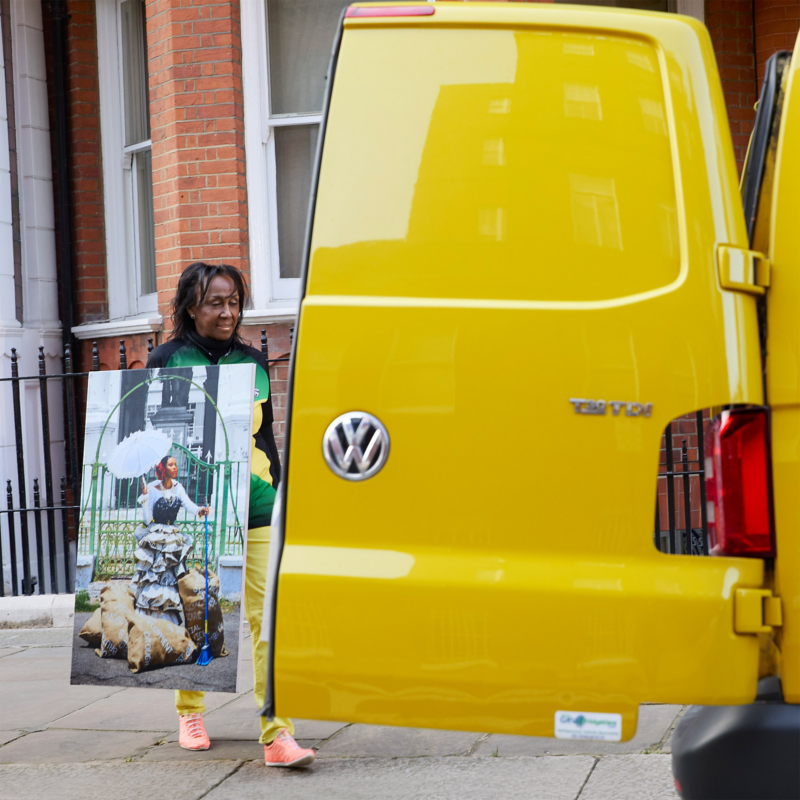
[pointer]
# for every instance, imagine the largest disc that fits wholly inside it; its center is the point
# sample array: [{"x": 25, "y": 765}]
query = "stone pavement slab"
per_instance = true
[
  {"x": 413, "y": 779},
  {"x": 633, "y": 777},
  {"x": 36, "y": 664},
  {"x": 36, "y": 637},
  {"x": 9, "y": 736},
  {"x": 654, "y": 722},
  {"x": 221, "y": 749},
  {"x": 235, "y": 719},
  {"x": 9, "y": 651},
  {"x": 378, "y": 740},
  {"x": 99, "y": 781},
  {"x": 33, "y": 704},
  {"x": 666, "y": 747},
  {"x": 132, "y": 710},
  {"x": 67, "y": 747},
  {"x": 316, "y": 729}
]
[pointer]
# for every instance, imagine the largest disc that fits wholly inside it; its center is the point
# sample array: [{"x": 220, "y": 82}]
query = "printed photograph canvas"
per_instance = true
[{"x": 163, "y": 524}]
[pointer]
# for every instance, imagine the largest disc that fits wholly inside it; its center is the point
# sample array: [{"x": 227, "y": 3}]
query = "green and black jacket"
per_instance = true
[{"x": 265, "y": 469}]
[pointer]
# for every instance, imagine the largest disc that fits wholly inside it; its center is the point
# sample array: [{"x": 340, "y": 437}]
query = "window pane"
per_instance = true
[
  {"x": 134, "y": 72},
  {"x": 300, "y": 38},
  {"x": 147, "y": 238},
  {"x": 295, "y": 148}
]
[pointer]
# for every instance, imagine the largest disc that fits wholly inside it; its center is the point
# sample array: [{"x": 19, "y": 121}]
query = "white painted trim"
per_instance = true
[
  {"x": 284, "y": 120},
  {"x": 262, "y": 193},
  {"x": 8, "y": 305},
  {"x": 121, "y": 327},
  {"x": 37, "y": 212},
  {"x": 147, "y": 144},
  {"x": 255, "y": 88},
  {"x": 272, "y": 313}
]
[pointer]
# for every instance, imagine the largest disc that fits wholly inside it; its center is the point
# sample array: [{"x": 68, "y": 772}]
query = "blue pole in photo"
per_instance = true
[{"x": 205, "y": 652}]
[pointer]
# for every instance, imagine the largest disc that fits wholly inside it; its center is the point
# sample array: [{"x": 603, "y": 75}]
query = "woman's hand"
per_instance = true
[{"x": 204, "y": 512}]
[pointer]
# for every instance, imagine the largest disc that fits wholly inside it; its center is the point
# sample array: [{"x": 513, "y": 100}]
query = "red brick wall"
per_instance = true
[
  {"x": 683, "y": 429},
  {"x": 108, "y": 352},
  {"x": 88, "y": 231},
  {"x": 278, "y": 346},
  {"x": 777, "y": 24},
  {"x": 197, "y": 123},
  {"x": 730, "y": 23}
]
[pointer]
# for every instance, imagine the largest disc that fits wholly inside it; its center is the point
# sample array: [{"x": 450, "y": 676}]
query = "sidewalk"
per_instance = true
[{"x": 97, "y": 743}]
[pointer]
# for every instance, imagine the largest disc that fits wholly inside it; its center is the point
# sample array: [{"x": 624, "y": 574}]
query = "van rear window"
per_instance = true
[{"x": 501, "y": 164}]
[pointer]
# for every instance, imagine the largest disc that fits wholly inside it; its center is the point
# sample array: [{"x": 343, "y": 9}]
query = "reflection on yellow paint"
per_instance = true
[
  {"x": 653, "y": 115},
  {"x": 492, "y": 223},
  {"x": 669, "y": 230},
  {"x": 419, "y": 374},
  {"x": 345, "y": 562},
  {"x": 639, "y": 59},
  {"x": 459, "y": 636},
  {"x": 582, "y": 101},
  {"x": 494, "y": 153},
  {"x": 595, "y": 211},
  {"x": 575, "y": 49},
  {"x": 500, "y": 106},
  {"x": 428, "y": 193}
]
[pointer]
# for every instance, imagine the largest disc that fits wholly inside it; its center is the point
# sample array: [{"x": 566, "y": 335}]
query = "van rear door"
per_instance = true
[
  {"x": 519, "y": 223},
  {"x": 772, "y": 203}
]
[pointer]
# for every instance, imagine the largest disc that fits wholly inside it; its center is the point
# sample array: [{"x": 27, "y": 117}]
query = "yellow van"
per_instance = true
[{"x": 526, "y": 255}]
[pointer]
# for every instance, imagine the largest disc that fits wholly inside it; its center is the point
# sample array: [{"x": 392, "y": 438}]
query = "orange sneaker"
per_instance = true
[
  {"x": 192, "y": 733},
  {"x": 285, "y": 752}
]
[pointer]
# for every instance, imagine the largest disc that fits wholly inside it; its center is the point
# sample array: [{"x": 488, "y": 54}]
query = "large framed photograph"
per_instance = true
[{"x": 163, "y": 524}]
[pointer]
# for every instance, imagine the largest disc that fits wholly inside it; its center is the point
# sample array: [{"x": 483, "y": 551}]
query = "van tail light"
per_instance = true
[
  {"x": 390, "y": 11},
  {"x": 738, "y": 474}
]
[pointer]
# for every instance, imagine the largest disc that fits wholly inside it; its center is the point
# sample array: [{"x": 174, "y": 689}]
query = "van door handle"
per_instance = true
[
  {"x": 756, "y": 611},
  {"x": 742, "y": 270}
]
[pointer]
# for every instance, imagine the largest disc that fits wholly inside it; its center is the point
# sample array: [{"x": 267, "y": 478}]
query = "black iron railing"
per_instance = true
[
  {"x": 680, "y": 536},
  {"x": 41, "y": 551}
]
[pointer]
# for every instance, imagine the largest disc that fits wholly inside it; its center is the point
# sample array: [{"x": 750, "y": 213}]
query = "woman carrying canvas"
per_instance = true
[
  {"x": 162, "y": 548},
  {"x": 207, "y": 316}
]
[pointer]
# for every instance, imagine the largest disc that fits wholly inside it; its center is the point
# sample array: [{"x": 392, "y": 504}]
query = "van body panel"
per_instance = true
[
  {"x": 500, "y": 567},
  {"x": 783, "y": 378}
]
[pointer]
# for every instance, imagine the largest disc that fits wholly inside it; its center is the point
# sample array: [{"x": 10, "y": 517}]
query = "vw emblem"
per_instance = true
[{"x": 355, "y": 446}]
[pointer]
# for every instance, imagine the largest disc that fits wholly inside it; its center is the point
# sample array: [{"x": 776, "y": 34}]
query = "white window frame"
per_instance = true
[
  {"x": 274, "y": 297},
  {"x": 119, "y": 183}
]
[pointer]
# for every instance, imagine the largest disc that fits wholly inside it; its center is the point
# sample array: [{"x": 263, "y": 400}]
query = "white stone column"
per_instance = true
[
  {"x": 10, "y": 329},
  {"x": 40, "y": 325}
]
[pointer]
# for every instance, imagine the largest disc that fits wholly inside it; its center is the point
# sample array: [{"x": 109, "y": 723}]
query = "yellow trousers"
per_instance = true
[{"x": 255, "y": 581}]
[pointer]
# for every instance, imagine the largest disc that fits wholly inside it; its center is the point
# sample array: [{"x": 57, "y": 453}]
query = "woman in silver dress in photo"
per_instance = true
[{"x": 162, "y": 548}]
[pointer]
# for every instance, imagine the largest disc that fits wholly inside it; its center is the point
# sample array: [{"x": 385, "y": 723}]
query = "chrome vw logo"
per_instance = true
[{"x": 355, "y": 446}]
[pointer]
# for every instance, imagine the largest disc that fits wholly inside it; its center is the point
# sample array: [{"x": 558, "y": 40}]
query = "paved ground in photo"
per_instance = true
[
  {"x": 96, "y": 742},
  {"x": 91, "y": 670}
]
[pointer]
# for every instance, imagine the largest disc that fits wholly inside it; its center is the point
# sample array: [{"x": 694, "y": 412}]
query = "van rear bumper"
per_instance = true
[{"x": 738, "y": 752}]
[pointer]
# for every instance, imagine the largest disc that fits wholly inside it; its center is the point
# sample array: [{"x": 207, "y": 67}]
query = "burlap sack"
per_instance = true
[
  {"x": 91, "y": 632},
  {"x": 116, "y": 608},
  {"x": 157, "y": 643},
  {"x": 192, "y": 588}
]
